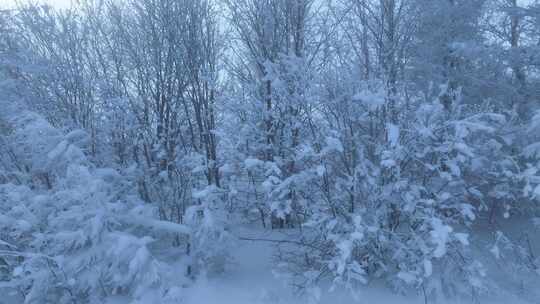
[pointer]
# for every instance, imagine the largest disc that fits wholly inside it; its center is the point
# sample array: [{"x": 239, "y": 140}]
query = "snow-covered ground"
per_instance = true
[{"x": 251, "y": 280}]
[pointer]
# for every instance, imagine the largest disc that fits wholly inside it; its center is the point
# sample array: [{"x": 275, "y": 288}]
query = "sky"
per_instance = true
[
  {"x": 57, "y": 3},
  {"x": 66, "y": 3}
]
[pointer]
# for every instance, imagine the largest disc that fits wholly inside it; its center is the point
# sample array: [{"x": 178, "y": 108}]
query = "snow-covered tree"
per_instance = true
[{"x": 385, "y": 140}]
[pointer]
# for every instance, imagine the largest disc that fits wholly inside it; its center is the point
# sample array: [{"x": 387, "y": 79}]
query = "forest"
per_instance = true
[{"x": 270, "y": 152}]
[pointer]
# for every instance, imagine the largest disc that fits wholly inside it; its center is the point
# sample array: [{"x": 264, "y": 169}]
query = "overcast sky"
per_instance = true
[
  {"x": 57, "y": 3},
  {"x": 66, "y": 3}
]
